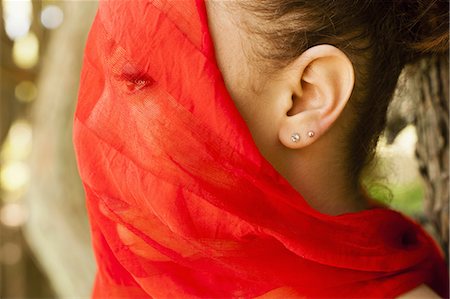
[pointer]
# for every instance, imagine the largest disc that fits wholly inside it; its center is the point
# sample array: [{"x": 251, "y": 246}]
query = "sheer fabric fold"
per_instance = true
[{"x": 181, "y": 202}]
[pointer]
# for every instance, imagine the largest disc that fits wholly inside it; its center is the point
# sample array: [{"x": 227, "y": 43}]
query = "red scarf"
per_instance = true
[{"x": 180, "y": 200}]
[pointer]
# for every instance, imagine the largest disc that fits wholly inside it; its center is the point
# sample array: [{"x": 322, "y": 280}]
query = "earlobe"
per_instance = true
[
  {"x": 323, "y": 78},
  {"x": 295, "y": 137},
  {"x": 300, "y": 129}
]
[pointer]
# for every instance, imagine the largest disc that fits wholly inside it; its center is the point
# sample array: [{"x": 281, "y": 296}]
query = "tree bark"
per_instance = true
[
  {"x": 431, "y": 79},
  {"x": 422, "y": 100},
  {"x": 58, "y": 230}
]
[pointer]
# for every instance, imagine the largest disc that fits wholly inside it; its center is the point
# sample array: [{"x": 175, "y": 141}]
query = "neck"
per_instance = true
[{"x": 318, "y": 174}]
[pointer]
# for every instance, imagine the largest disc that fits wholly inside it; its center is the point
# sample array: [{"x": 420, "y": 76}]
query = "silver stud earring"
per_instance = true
[
  {"x": 311, "y": 134},
  {"x": 295, "y": 137}
]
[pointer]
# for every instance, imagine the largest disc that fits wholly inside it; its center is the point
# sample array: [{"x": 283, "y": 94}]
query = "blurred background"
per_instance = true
[
  {"x": 44, "y": 246},
  {"x": 45, "y": 249}
]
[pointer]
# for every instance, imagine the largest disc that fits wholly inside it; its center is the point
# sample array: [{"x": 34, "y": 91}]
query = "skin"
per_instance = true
[{"x": 310, "y": 94}]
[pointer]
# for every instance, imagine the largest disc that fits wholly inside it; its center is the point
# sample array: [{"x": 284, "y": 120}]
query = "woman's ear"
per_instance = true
[{"x": 321, "y": 82}]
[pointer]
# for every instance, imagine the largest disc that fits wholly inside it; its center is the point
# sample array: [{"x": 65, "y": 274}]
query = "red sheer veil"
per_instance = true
[{"x": 181, "y": 202}]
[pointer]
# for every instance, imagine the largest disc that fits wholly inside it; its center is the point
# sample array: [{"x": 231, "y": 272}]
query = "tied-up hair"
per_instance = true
[{"x": 379, "y": 37}]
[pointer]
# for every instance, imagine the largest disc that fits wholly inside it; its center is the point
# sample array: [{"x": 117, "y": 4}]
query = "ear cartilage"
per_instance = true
[
  {"x": 311, "y": 134},
  {"x": 295, "y": 137}
]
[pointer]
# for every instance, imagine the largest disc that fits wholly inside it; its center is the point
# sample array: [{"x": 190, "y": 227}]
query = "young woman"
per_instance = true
[{"x": 221, "y": 144}]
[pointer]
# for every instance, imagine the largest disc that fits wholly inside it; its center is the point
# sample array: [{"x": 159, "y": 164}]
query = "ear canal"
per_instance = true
[{"x": 308, "y": 91}]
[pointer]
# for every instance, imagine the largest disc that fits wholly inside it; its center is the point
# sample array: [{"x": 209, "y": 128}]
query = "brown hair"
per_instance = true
[{"x": 379, "y": 37}]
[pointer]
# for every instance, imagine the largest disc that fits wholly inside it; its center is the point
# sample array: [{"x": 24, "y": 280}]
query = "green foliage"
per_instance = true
[{"x": 406, "y": 198}]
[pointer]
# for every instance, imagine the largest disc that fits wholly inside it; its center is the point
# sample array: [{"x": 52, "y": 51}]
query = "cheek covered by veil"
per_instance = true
[{"x": 181, "y": 202}]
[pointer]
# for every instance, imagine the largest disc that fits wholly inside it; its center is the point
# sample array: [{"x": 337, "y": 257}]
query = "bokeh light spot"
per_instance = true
[
  {"x": 17, "y": 16},
  {"x": 26, "y": 91},
  {"x": 52, "y": 16},
  {"x": 14, "y": 175},
  {"x": 26, "y": 51},
  {"x": 18, "y": 144},
  {"x": 13, "y": 214}
]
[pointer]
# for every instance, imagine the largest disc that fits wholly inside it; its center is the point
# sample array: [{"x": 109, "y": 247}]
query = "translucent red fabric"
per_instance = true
[{"x": 181, "y": 202}]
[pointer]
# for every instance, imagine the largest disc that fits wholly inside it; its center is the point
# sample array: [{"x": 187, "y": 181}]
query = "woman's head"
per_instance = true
[{"x": 328, "y": 67}]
